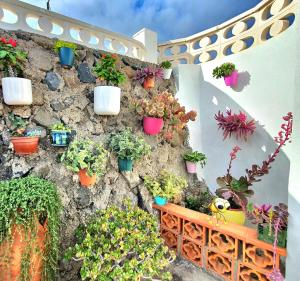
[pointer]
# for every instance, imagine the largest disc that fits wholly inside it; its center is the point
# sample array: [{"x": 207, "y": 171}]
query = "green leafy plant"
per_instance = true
[
  {"x": 166, "y": 185},
  {"x": 11, "y": 59},
  {"x": 121, "y": 244},
  {"x": 85, "y": 154},
  {"x": 63, "y": 44},
  {"x": 166, "y": 64},
  {"x": 195, "y": 157},
  {"x": 200, "y": 203},
  {"x": 223, "y": 70},
  {"x": 60, "y": 127},
  {"x": 126, "y": 145},
  {"x": 106, "y": 70},
  {"x": 17, "y": 125},
  {"x": 22, "y": 201}
]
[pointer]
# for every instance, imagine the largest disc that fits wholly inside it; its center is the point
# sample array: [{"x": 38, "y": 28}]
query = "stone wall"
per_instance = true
[{"x": 67, "y": 96}]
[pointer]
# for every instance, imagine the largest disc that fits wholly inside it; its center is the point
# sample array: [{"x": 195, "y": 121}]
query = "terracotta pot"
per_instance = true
[
  {"x": 149, "y": 82},
  {"x": 11, "y": 252},
  {"x": 25, "y": 145},
  {"x": 152, "y": 125},
  {"x": 85, "y": 179}
]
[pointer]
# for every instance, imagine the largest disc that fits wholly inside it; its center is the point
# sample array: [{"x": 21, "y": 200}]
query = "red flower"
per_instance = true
[
  {"x": 114, "y": 56},
  {"x": 12, "y": 42},
  {"x": 103, "y": 56},
  {"x": 3, "y": 40}
]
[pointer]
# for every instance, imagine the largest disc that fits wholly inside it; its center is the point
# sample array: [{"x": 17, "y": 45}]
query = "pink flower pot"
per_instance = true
[
  {"x": 232, "y": 80},
  {"x": 152, "y": 125},
  {"x": 191, "y": 167}
]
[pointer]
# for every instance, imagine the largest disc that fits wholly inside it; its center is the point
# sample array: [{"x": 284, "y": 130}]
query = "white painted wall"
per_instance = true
[{"x": 270, "y": 77}]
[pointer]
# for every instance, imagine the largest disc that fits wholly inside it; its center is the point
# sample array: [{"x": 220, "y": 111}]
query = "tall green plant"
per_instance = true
[
  {"x": 121, "y": 244},
  {"x": 126, "y": 145},
  {"x": 21, "y": 202}
]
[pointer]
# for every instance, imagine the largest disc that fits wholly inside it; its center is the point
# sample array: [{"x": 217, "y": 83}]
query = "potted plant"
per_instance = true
[
  {"x": 16, "y": 90},
  {"x": 166, "y": 186},
  {"x": 237, "y": 191},
  {"x": 228, "y": 72},
  {"x": 60, "y": 135},
  {"x": 24, "y": 143},
  {"x": 86, "y": 158},
  {"x": 66, "y": 52},
  {"x": 128, "y": 147},
  {"x": 107, "y": 98},
  {"x": 136, "y": 250},
  {"x": 163, "y": 110},
  {"x": 167, "y": 69},
  {"x": 200, "y": 203},
  {"x": 235, "y": 124},
  {"x": 29, "y": 230},
  {"x": 191, "y": 160},
  {"x": 147, "y": 76}
]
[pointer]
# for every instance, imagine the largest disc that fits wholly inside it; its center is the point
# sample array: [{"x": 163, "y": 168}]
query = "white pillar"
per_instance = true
[{"x": 149, "y": 40}]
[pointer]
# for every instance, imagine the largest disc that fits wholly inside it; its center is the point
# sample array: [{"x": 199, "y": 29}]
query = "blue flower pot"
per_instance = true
[
  {"x": 161, "y": 201},
  {"x": 125, "y": 165},
  {"x": 66, "y": 56},
  {"x": 60, "y": 138}
]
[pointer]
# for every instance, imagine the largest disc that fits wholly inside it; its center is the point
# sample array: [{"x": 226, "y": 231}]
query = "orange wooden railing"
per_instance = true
[{"x": 230, "y": 251}]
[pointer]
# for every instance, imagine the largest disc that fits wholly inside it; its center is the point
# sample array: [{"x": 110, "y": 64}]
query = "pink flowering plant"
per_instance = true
[
  {"x": 237, "y": 190},
  {"x": 148, "y": 72},
  {"x": 235, "y": 124}
]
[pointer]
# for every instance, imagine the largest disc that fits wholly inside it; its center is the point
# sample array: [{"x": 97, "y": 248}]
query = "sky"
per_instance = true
[{"x": 171, "y": 19}]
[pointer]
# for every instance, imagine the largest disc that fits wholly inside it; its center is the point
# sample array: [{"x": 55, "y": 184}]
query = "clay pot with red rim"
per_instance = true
[
  {"x": 25, "y": 145},
  {"x": 85, "y": 179},
  {"x": 149, "y": 82}
]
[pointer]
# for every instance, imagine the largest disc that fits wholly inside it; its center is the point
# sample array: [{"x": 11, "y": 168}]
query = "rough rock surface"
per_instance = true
[{"x": 70, "y": 99}]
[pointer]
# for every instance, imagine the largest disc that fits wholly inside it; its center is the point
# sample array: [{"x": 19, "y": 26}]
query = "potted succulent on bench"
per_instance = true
[
  {"x": 16, "y": 90},
  {"x": 24, "y": 143},
  {"x": 135, "y": 253},
  {"x": 29, "y": 230},
  {"x": 66, "y": 51},
  {"x": 237, "y": 191},
  {"x": 128, "y": 147},
  {"x": 165, "y": 187},
  {"x": 167, "y": 69},
  {"x": 228, "y": 72},
  {"x": 191, "y": 160},
  {"x": 147, "y": 76},
  {"x": 107, "y": 98},
  {"x": 60, "y": 135},
  {"x": 86, "y": 158}
]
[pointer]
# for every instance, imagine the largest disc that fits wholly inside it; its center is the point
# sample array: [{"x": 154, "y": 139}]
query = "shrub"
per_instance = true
[
  {"x": 85, "y": 154},
  {"x": 128, "y": 146},
  {"x": 17, "y": 125},
  {"x": 166, "y": 185},
  {"x": 223, "y": 70},
  {"x": 166, "y": 64},
  {"x": 11, "y": 59},
  {"x": 121, "y": 244},
  {"x": 60, "y": 127},
  {"x": 63, "y": 44},
  {"x": 106, "y": 70},
  {"x": 22, "y": 201},
  {"x": 195, "y": 157},
  {"x": 148, "y": 72},
  {"x": 200, "y": 203}
]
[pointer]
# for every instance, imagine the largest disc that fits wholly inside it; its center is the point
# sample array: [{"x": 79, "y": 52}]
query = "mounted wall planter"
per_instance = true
[
  {"x": 191, "y": 167},
  {"x": 125, "y": 165},
  {"x": 265, "y": 235},
  {"x": 85, "y": 179},
  {"x": 234, "y": 216},
  {"x": 25, "y": 145},
  {"x": 232, "y": 80},
  {"x": 152, "y": 125},
  {"x": 17, "y": 91},
  {"x": 60, "y": 138},
  {"x": 66, "y": 56},
  {"x": 107, "y": 100},
  {"x": 149, "y": 82},
  {"x": 167, "y": 73},
  {"x": 161, "y": 201}
]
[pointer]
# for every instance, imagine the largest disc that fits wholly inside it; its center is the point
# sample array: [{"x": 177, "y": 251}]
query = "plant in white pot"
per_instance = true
[
  {"x": 167, "y": 69},
  {"x": 107, "y": 98},
  {"x": 16, "y": 90}
]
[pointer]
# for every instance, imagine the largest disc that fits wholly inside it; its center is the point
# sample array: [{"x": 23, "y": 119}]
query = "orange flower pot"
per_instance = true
[
  {"x": 25, "y": 145},
  {"x": 85, "y": 179},
  {"x": 11, "y": 252},
  {"x": 149, "y": 82}
]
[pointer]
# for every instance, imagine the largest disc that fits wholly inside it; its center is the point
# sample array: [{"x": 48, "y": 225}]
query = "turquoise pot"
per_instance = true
[
  {"x": 60, "y": 138},
  {"x": 125, "y": 165},
  {"x": 66, "y": 56},
  {"x": 161, "y": 201}
]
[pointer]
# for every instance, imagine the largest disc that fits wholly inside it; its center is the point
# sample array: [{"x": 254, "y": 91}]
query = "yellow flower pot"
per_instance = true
[{"x": 234, "y": 216}]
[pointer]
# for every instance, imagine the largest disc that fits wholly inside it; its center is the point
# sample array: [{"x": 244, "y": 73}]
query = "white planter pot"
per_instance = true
[
  {"x": 107, "y": 100},
  {"x": 167, "y": 73},
  {"x": 17, "y": 91}
]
